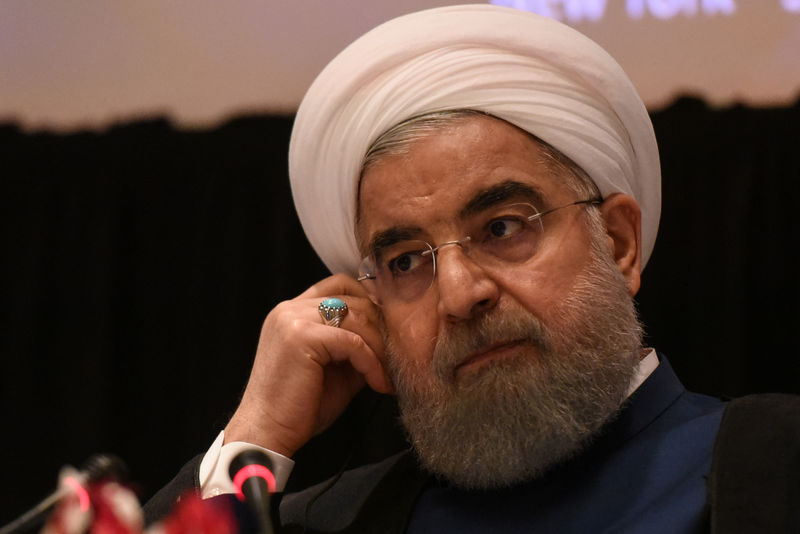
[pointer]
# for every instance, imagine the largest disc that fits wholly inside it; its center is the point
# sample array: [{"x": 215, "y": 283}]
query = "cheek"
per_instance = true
[{"x": 540, "y": 287}]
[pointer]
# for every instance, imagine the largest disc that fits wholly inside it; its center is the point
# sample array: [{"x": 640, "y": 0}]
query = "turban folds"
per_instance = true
[{"x": 528, "y": 70}]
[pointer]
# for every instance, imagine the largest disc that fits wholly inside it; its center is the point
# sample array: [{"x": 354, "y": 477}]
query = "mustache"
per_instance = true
[{"x": 461, "y": 340}]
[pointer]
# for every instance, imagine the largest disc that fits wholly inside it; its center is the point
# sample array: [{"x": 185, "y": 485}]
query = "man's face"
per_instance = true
[
  {"x": 428, "y": 188},
  {"x": 485, "y": 343}
]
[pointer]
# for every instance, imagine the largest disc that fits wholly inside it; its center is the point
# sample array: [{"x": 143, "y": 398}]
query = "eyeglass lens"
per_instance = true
[{"x": 405, "y": 270}]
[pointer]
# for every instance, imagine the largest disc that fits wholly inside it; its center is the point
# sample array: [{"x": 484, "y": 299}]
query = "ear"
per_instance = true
[{"x": 623, "y": 219}]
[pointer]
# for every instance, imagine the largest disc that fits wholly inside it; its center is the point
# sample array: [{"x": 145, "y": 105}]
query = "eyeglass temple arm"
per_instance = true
[{"x": 551, "y": 210}]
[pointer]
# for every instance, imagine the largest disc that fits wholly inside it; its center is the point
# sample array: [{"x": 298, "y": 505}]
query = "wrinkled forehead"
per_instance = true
[{"x": 454, "y": 171}]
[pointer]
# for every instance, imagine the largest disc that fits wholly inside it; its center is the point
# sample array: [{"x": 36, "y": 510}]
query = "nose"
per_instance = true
[{"x": 465, "y": 289}]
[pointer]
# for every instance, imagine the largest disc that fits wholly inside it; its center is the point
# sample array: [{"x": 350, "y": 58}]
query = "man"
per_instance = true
[{"x": 486, "y": 183}]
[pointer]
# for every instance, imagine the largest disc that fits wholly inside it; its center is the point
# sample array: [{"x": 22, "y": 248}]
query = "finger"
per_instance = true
[
  {"x": 338, "y": 284},
  {"x": 336, "y": 345},
  {"x": 362, "y": 317}
]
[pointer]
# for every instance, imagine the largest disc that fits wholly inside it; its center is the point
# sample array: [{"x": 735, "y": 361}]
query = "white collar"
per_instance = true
[{"x": 645, "y": 368}]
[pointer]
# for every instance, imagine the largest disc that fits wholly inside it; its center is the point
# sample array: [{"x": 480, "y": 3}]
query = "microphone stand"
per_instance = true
[{"x": 251, "y": 473}]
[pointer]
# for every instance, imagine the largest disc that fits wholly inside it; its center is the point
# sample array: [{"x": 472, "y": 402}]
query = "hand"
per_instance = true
[{"x": 305, "y": 372}]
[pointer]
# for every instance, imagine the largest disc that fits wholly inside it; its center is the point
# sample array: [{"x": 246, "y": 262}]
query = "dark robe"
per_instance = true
[{"x": 645, "y": 472}]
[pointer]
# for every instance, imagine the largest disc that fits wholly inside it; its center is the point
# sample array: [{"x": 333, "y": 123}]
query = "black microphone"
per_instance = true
[
  {"x": 105, "y": 467},
  {"x": 251, "y": 473},
  {"x": 97, "y": 467}
]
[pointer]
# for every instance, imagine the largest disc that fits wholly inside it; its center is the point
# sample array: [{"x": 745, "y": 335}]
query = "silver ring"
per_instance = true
[{"x": 332, "y": 311}]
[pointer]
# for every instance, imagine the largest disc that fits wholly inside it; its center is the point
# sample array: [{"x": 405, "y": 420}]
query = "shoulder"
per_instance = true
[{"x": 754, "y": 485}]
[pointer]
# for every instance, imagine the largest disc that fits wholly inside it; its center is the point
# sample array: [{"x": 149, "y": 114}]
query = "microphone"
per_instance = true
[
  {"x": 97, "y": 467},
  {"x": 251, "y": 473},
  {"x": 104, "y": 467}
]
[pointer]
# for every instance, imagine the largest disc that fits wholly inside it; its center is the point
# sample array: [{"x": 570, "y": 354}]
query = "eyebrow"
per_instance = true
[
  {"x": 488, "y": 198},
  {"x": 391, "y": 236},
  {"x": 500, "y": 194}
]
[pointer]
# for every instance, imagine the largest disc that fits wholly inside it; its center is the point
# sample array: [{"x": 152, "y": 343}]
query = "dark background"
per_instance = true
[{"x": 139, "y": 262}]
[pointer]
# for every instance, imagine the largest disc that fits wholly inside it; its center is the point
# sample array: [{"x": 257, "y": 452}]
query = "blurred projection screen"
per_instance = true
[{"x": 90, "y": 63}]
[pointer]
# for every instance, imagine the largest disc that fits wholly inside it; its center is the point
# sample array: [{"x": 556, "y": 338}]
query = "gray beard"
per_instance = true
[{"x": 512, "y": 419}]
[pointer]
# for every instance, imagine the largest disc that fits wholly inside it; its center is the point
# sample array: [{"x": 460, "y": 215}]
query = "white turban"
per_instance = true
[{"x": 531, "y": 71}]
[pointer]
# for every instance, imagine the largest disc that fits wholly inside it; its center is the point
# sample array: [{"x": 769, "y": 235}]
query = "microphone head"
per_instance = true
[
  {"x": 105, "y": 467},
  {"x": 248, "y": 457},
  {"x": 251, "y": 467}
]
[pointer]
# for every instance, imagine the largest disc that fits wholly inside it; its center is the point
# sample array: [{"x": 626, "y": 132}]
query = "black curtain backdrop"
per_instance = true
[{"x": 139, "y": 263}]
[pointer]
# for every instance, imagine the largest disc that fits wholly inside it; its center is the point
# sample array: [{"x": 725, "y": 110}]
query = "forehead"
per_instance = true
[{"x": 447, "y": 169}]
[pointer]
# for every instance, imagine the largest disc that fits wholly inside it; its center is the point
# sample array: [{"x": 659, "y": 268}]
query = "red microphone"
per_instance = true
[{"x": 251, "y": 473}]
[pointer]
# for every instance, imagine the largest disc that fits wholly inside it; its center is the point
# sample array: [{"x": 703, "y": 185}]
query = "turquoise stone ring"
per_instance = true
[{"x": 332, "y": 311}]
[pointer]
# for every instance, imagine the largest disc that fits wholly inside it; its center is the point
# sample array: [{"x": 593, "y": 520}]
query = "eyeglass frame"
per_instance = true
[{"x": 432, "y": 250}]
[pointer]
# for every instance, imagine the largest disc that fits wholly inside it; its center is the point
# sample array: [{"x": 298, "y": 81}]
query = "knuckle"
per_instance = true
[
  {"x": 296, "y": 326},
  {"x": 357, "y": 318},
  {"x": 340, "y": 277},
  {"x": 278, "y": 311},
  {"x": 275, "y": 317}
]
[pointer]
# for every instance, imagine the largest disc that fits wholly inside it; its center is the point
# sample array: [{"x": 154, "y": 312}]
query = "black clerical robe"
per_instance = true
[{"x": 646, "y": 472}]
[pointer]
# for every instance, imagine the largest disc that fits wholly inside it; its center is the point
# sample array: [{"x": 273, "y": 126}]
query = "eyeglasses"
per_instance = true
[{"x": 505, "y": 235}]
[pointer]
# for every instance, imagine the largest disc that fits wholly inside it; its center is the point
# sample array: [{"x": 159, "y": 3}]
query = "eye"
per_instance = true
[
  {"x": 406, "y": 262},
  {"x": 504, "y": 228}
]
